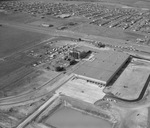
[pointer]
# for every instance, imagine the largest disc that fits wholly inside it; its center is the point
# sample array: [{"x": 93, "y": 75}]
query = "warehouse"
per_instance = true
[{"x": 104, "y": 66}]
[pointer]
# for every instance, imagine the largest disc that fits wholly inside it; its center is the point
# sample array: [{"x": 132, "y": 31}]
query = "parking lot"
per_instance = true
[{"x": 82, "y": 90}]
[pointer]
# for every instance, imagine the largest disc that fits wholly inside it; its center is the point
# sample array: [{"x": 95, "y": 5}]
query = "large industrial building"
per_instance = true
[{"x": 104, "y": 65}]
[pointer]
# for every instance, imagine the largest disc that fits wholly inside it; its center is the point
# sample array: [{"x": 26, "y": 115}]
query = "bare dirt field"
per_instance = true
[
  {"x": 115, "y": 33},
  {"x": 142, "y": 4},
  {"x": 58, "y": 23},
  {"x": 13, "y": 40},
  {"x": 11, "y": 117}
]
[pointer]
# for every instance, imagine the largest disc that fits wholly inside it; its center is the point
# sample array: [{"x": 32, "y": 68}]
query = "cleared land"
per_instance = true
[
  {"x": 13, "y": 40},
  {"x": 82, "y": 90},
  {"x": 115, "y": 33},
  {"x": 131, "y": 82},
  {"x": 58, "y": 22}
]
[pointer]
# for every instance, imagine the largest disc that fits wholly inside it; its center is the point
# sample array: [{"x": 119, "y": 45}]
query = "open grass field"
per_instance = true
[
  {"x": 7, "y": 67},
  {"x": 27, "y": 83},
  {"x": 15, "y": 76},
  {"x": 13, "y": 40},
  {"x": 17, "y": 17}
]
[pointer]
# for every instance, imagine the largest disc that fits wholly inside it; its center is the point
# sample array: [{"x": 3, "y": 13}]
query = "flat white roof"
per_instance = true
[{"x": 104, "y": 66}]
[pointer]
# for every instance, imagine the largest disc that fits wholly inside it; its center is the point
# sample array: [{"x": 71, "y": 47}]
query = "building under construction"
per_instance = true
[{"x": 79, "y": 54}]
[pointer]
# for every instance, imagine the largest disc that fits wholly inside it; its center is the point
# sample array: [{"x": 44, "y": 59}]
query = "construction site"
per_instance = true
[
  {"x": 83, "y": 83},
  {"x": 74, "y": 64}
]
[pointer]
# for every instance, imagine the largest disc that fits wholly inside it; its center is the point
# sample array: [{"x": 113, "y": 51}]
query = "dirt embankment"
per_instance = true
[{"x": 89, "y": 108}]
